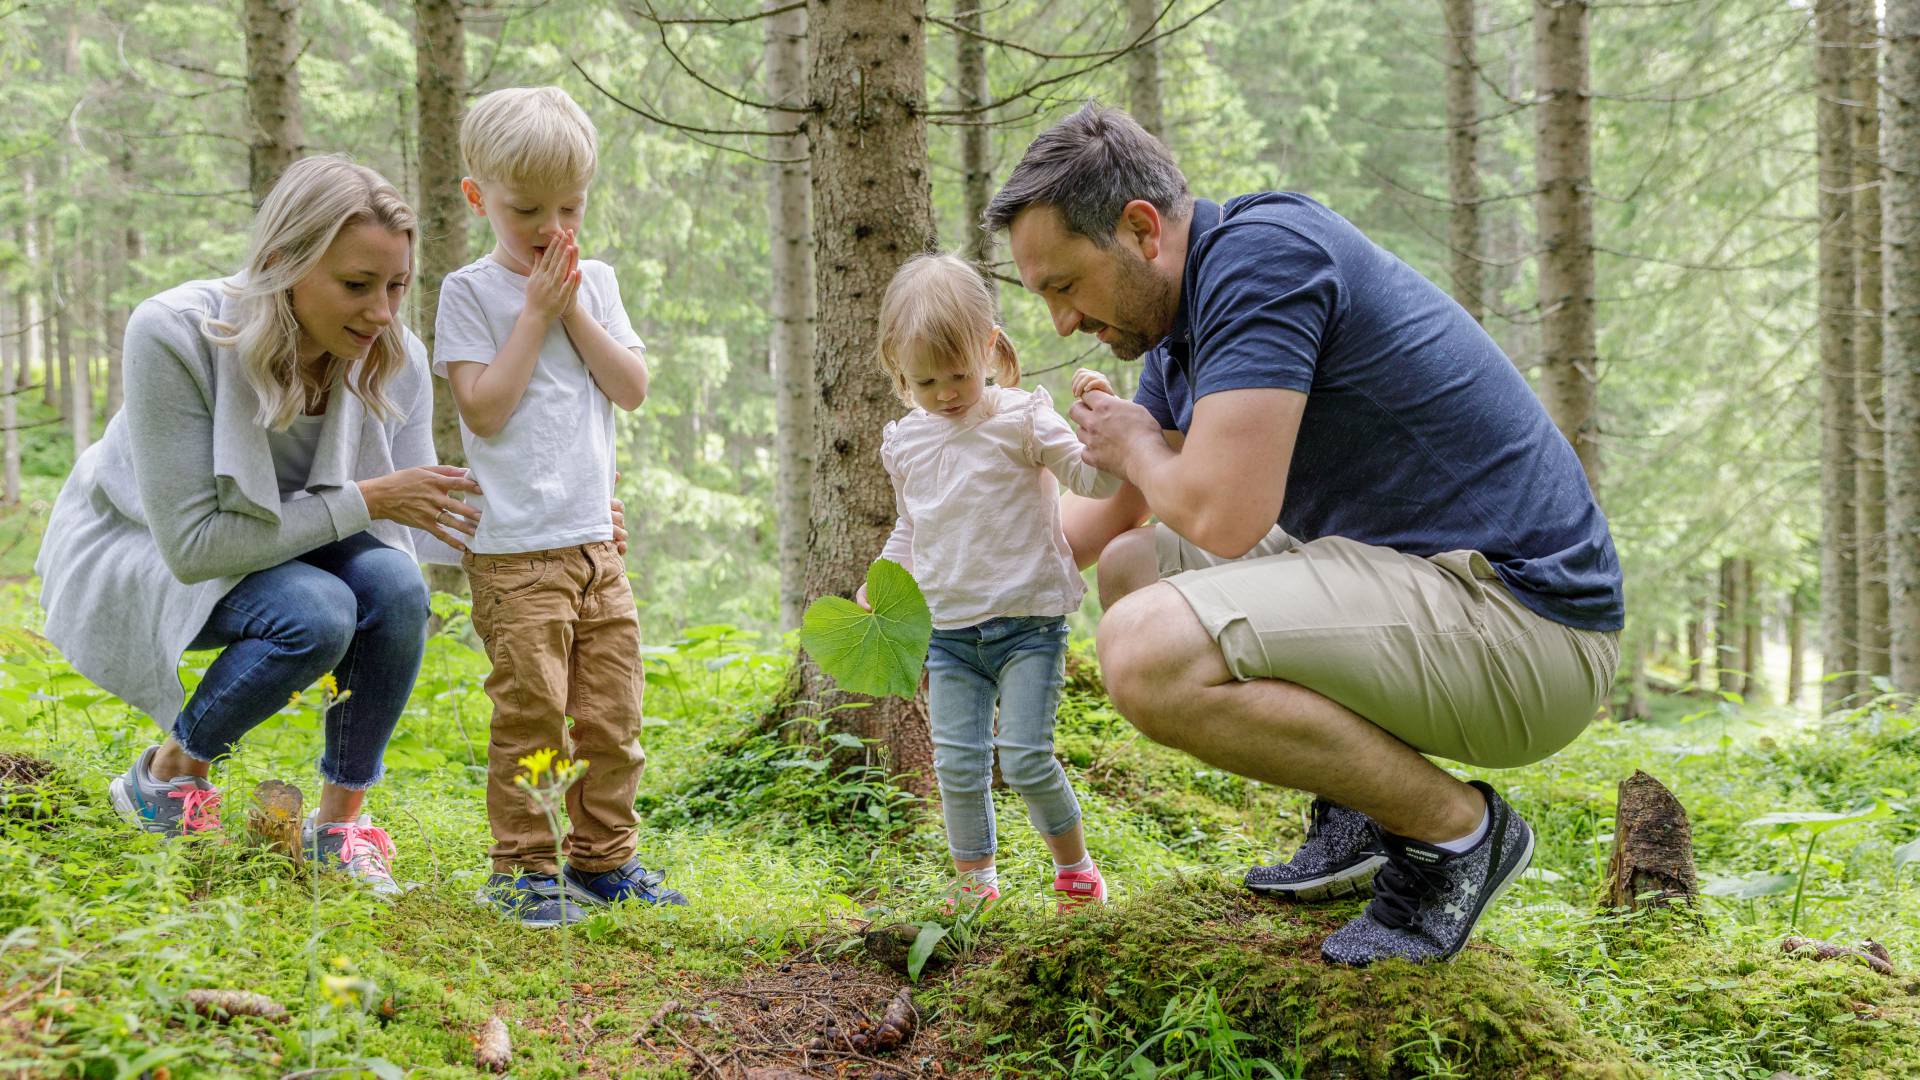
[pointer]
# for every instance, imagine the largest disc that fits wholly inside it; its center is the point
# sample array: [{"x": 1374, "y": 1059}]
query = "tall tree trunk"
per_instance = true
[
  {"x": 872, "y": 208},
  {"x": 790, "y": 214},
  {"x": 1796, "y": 645},
  {"x": 1753, "y": 679},
  {"x": 80, "y": 306},
  {"x": 273, "y": 91},
  {"x": 125, "y": 280},
  {"x": 976, "y": 184},
  {"x": 1463, "y": 166},
  {"x": 1870, "y": 470},
  {"x": 1697, "y": 640},
  {"x": 440, "y": 86},
  {"x": 1839, "y": 589},
  {"x": 1727, "y": 637},
  {"x": 13, "y": 346},
  {"x": 1143, "y": 67},
  {"x": 51, "y": 353},
  {"x": 1563, "y": 166},
  {"x": 1900, "y": 242}
]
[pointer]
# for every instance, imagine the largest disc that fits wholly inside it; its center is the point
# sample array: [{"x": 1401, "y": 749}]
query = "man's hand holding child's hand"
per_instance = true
[
  {"x": 555, "y": 280},
  {"x": 1087, "y": 380}
]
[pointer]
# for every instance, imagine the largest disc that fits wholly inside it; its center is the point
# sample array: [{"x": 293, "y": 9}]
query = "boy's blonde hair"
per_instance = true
[
  {"x": 938, "y": 306},
  {"x": 533, "y": 135},
  {"x": 313, "y": 202}
]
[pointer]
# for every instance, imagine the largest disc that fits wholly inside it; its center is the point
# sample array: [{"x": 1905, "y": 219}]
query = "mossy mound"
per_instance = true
[{"x": 1092, "y": 988}]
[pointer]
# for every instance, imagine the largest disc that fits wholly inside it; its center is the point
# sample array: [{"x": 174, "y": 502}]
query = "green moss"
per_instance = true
[{"x": 1485, "y": 1015}]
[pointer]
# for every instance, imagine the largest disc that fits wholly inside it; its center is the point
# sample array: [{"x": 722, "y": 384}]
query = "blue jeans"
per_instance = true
[
  {"x": 1021, "y": 661},
  {"x": 355, "y": 607}
]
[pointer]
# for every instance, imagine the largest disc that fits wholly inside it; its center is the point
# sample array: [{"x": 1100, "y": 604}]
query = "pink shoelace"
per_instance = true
[
  {"x": 199, "y": 808},
  {"x": 361, "y": 845}
]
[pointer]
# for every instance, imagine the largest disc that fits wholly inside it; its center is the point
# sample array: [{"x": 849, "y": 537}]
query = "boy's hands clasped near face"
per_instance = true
[{"x": 553, "y": 288}]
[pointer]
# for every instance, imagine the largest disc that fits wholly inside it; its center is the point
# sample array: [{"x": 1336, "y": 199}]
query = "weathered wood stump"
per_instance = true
[
  {"x": 1652, "y": 848},
  {"x": 273, "y": 821}
]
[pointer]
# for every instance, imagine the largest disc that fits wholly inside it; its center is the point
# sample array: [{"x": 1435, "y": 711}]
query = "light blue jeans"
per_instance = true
[{"x": 1021, "y": 662}]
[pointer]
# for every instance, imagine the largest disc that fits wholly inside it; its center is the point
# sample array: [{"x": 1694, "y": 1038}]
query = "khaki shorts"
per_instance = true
[{"x": 1435, "y": 650}]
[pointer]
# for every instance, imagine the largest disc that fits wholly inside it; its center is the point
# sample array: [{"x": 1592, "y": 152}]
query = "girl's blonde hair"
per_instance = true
[
  {"x": 939, "y": 307},
  {"x": 313, "y": 201}
]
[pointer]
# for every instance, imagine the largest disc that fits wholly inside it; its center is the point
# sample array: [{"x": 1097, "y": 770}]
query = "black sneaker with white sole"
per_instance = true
[
  {"x": 1338, "y": 858},
  {"x": 1427, "y": 900}
]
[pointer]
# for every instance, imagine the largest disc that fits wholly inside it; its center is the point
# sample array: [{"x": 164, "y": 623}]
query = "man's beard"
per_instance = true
[{"x": 1145, "y": 301}]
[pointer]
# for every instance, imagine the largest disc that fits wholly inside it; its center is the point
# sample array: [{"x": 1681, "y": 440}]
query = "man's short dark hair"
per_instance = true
[{"x": 1089, "y": 167}]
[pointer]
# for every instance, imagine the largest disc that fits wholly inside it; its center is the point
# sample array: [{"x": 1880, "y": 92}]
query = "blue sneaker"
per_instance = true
[
  {"x": 184, "y": 804},
  {"x": 628, "y": 881},
  {"x": 535, "y": 901}
]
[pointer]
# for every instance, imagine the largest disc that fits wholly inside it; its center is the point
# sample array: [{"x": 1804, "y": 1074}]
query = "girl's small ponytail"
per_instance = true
[{"x": 1006, "y": 359}]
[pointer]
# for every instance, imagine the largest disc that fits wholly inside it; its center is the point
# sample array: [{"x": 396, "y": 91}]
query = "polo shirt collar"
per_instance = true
[{"x": 1206, "y": 216}]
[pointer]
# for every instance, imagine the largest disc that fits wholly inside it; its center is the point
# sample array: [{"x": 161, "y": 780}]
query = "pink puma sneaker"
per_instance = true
[{"x": 1079, "y": 888}]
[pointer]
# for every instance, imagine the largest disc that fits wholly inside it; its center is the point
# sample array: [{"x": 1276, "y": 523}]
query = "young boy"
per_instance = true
[{"x": 539, "y": 350}]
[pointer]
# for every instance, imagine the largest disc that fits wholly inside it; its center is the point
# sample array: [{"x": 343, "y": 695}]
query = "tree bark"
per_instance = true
[
  {"x": 1143, "y": 67},
  {"x": 1463, "y": 165},
  {"x": 51, "y": 353},
  {"x": 976, "y": 183},
  {"x": 1727, "y": 637},
  {"x": 873, "y": 209},
  {"x": 440, "y": 86},
  {"x": 12, "y": 349},
  {"x": 1839, "y": 589},
  {"x": 1697, "y": 641},
  {"x": 1900, "y": 243},
  {"x": 1652, "y": 847},
  {"x": 1752, "y": 673},
  {"x": 1563, "y": 165},
  {"x": 790, "y": 221},
  {"x": 273, "y": 91},
  {"x": 1870, "y": 474},
  {"x": 1796, "y": 646}
]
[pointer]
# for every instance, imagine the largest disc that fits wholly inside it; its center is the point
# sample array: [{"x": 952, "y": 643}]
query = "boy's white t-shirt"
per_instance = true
[{"x": 548, "y": 472}]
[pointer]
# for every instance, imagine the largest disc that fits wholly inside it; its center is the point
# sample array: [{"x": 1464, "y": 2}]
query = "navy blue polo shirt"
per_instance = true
[{"x": 1419, "y": 435}]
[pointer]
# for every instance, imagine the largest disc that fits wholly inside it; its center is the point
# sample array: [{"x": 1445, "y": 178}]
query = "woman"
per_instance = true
[{"x": 266, "y": 491}]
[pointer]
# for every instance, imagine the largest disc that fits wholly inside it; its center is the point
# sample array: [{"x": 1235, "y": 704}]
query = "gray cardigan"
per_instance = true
[{"x": 178, "y": 500}]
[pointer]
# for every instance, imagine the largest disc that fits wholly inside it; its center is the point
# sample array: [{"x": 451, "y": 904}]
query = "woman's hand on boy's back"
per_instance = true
[{"x": 553, "y": 286}]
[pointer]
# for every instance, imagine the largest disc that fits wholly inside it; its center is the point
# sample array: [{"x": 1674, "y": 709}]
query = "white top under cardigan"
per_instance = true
[
  {"x": 178, "y": 501},
  {"x": 979, "y": 507}
]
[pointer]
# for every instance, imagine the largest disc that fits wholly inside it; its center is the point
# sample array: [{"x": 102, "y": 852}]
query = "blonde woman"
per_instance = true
[{"x": 266, "y": 491}]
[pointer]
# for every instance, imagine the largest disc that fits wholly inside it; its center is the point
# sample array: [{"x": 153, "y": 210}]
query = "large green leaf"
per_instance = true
[
  {"x": 1819, "y": 821},
  {"x": 872, "y": 652}
]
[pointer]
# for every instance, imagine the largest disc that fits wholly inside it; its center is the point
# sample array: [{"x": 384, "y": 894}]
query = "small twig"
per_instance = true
[
  {"x": 695, "y": 1051},
  {"x": 669, "y": 1007}
]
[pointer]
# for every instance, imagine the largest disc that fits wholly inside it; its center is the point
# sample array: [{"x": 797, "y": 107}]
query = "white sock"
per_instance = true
[
  {"x": 986, "y": 875},
  {"x": 1085, "y": 864},
  {"x": 1466, "y": 843}
]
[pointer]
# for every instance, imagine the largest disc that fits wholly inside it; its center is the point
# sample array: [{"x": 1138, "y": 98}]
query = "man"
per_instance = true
[{"x": 1439, "y": 580}]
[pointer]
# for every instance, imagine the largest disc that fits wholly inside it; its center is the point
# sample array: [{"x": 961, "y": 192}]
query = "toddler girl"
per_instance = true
[{"x": 974, "y": 470}]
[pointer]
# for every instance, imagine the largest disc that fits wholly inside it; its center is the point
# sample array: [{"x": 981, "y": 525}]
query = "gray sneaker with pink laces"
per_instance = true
[
  {"x": 355, "y": 848},
  {"x": 184, "y": 804}
]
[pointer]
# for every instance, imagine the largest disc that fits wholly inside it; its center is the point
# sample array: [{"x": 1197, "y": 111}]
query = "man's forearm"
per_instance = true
[
  {"x": 1092, "y": 524},
  {"x": 1204, "y": 507}
]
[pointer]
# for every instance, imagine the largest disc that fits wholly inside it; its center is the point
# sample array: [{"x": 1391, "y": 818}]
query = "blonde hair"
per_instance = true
[
  {"x": 311, "y": 204},
  {"x": 529, "y": 135},
  {"x": 938, "y": 306}
]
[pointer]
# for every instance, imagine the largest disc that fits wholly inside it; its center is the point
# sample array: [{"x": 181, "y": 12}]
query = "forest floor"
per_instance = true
[{"x": 788, "y": 856}]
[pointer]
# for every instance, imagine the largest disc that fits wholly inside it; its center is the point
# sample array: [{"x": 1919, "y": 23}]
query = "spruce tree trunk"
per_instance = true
[
  {"x": 1563, "y": 169},
  {"x": 1753, "y": 678},
  {"x": 872, "y": 207},
  {"x": 1839, "y": 588},
  {"x": 976, "y": 184},
  {"x": 49, "y": 328},
  {"x": 790, "y": 220},
  {"x": 1900, "y": 242},
  {"x": 12, "y": 348},
  {"x": 125, "y": 278},
  {"x": 1463, "y": 165},
  {"x": 1796, "y": 645},
  {"x": 77, "y": 351},
  {"x": 1870, "y": 473},
  {"x": 1143, "y": 67},
  {"x": 440, "y": 86},
  {"x": 1727, "y": 638},
  {"x": 273, "y": 91},
  {"x": 1697, "y": 640}
]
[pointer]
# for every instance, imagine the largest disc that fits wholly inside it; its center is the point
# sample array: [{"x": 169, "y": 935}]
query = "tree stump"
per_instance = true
[
  {"x": 273, "y": 821},
  {"x": 1652, "y": 848}
]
